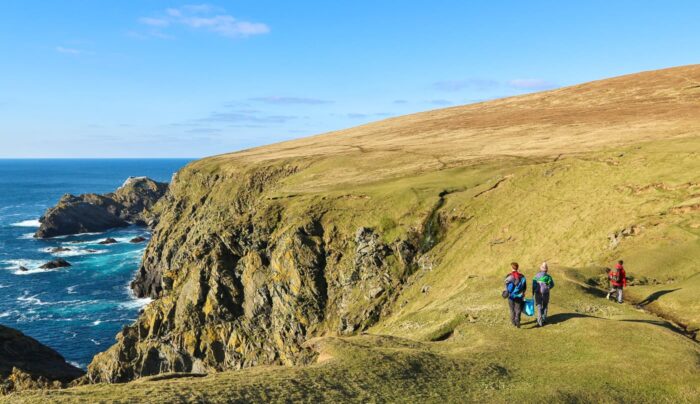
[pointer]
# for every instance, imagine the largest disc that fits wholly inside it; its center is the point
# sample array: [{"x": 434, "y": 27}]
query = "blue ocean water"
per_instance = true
[{"x": 79, "y": 309}]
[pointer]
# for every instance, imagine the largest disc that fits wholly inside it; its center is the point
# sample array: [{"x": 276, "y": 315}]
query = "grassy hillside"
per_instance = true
[{"x": 580, "y": 177}]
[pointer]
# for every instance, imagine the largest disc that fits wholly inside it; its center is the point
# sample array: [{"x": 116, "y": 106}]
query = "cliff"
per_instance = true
[
  {"x": 26, "y": 364},
  {"x": 131, "y": 203},
  {"x": 403, "y": 227}
]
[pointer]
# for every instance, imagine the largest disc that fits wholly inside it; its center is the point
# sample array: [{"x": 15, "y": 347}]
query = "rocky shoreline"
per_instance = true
[{"x": 27, "y": 364}]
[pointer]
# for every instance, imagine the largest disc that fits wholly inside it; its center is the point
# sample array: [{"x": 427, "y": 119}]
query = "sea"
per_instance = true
[{"x": 76, "y": 310}]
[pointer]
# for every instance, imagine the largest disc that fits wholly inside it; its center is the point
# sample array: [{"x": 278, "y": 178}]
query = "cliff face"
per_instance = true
[
  {"x": 131, "y": 203},
  {"x": 25, "y": 363},
  {"x": 257, "y": 251},
  {"x": 243, "y": 278}
]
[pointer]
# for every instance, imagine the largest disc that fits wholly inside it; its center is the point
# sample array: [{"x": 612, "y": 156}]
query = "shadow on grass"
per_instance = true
[
  {"x": 660, "y": 323},
  {"x": 562, "y": 317},
  {"x": 655, "y": 296}
]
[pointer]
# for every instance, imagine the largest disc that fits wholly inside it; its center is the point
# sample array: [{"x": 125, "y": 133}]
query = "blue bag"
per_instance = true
[{"x": 529, "y": 307}]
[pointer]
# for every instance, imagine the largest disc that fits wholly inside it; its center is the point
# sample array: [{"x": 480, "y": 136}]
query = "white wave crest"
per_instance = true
[
  {"x": 33, "y": 300},
  {"x": 76, "y": 364},
  {"x": 136, "y": 303},
  {"x": 73, "y": 252},
  {"x": 31, "y": 265},
  {"x": 27, "y": 223},
  {"x": 26, "y": 236}
]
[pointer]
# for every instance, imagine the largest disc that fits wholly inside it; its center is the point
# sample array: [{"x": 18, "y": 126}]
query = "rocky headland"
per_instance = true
[{"x": 130, "y": 204}]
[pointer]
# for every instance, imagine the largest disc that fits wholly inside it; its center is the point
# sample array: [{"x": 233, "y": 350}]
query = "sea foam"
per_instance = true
[{"x": 27, "y": 223}]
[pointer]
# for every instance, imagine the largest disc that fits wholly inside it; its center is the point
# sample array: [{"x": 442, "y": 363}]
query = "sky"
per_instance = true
[{"x": 154, "y": 78}]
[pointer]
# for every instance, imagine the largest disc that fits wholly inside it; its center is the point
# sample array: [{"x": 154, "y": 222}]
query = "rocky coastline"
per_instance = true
[{"x": 129, "y": 204}]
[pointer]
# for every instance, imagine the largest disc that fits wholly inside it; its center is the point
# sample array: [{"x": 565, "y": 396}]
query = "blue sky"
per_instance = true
[{"x": 156, "y": 78}]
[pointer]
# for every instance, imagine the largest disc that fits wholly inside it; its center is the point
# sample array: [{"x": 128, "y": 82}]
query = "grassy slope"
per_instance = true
[{"x": 629, "y": 157}]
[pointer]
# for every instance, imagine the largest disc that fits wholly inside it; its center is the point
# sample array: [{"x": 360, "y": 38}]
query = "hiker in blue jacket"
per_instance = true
[
  {"x": 541, "y": 284},
  {"x": 516, "y": 285}
]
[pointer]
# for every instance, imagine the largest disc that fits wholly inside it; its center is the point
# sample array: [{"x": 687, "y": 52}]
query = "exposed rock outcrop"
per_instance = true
[
  {"x": 58, "y": 263},
  {"x": 25, "y": 363},
  {"x": 108, "y": 241},
  {"x": 131, "y": 203},
  {"x": 241, "y": 280}
]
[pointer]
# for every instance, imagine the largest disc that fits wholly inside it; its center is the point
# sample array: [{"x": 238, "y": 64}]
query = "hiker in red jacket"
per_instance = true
[{"x": 618, "y": 280}]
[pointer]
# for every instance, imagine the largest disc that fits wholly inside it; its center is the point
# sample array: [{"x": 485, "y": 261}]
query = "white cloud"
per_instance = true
[
  {"x": 208, "y": 18},
  {"x": 68, "y": 51}
]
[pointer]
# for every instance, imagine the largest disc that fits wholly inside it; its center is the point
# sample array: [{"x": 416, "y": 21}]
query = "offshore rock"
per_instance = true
[
  {"x": 86, "y": 213},
  {"x": 25, "y": 363},
  {"x": 107, "y": 241},
  {"x": 58, "y": 263}
]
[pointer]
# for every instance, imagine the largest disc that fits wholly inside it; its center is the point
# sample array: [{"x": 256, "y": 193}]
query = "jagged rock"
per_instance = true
[
  {"x": 23, "y": 268},
  {"x": 239, "y": 282},
  {"x": 131, "y": 203},
  {"x": 57, "y": 263},
  {"x": 616, "y": 238},
  {"x": 374, "y": 292},
  {"x": 108, "y": 240},
  {"x": 138, "y": 239},
  {"x": 425, "y": 289},
  {"x": 59, "y": 249},
  {"x": 25, "y": 364}
]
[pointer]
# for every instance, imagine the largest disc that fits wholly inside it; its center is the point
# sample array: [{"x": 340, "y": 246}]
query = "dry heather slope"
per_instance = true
[{"x": 369, "y": 261}]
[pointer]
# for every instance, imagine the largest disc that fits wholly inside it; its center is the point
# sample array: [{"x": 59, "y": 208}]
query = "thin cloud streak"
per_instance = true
[
  {"x": 277, "y": 100},
  {"x": 207, "y": 18},
  {"x": 532, "y": 84}
]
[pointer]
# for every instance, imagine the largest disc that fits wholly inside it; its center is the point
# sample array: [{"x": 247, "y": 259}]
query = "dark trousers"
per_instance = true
[
  {"x": 541, "y": 301},
  {"x": 516, "y": 308}
]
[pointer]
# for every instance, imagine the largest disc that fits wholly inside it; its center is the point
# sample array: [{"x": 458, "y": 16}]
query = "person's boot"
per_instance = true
[{"x": 607, "y": 297}]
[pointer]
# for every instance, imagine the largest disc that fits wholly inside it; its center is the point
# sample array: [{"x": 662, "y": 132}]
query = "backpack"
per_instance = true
[
  {"x": 615, "y": 276},
  {"x": 544, "y": 282},
  {"x": 516, "y": 289}
]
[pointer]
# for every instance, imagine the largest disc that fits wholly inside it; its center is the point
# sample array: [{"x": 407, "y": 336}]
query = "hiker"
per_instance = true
[
  {"x": 618, "y": 280},
  {"x": 541, "y": 285},
  {"x": 516, "y": 285}
]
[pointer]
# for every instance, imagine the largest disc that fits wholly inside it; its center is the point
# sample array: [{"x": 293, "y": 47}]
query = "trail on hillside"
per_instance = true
[{"x": 667, "y": 322}]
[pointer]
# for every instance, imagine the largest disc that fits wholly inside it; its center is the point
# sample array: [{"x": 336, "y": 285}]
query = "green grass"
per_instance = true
[{"x": 453, "y": 343}]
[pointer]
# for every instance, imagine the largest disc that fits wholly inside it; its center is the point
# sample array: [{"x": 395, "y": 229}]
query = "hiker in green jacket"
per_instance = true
[{"x": 541, "y": 285}]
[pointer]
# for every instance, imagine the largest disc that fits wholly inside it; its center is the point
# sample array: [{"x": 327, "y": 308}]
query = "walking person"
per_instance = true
[
  {"x": 618, "y": 281},
  {"x": 516, "y": 285},
  {"x": 542, "y": 283}
]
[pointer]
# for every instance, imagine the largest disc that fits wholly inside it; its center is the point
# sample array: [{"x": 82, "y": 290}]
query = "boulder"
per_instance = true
[
  {"x": 23, "y": 268},
  {"x": 108, "y": 240},
  {"x": 129, "y": 204},
  {"x": 25, "y": 363},
  {"x": 58, "y": 263},
  {"x": 59, "y": 249},
  {"x": 138, "y": 239}
]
